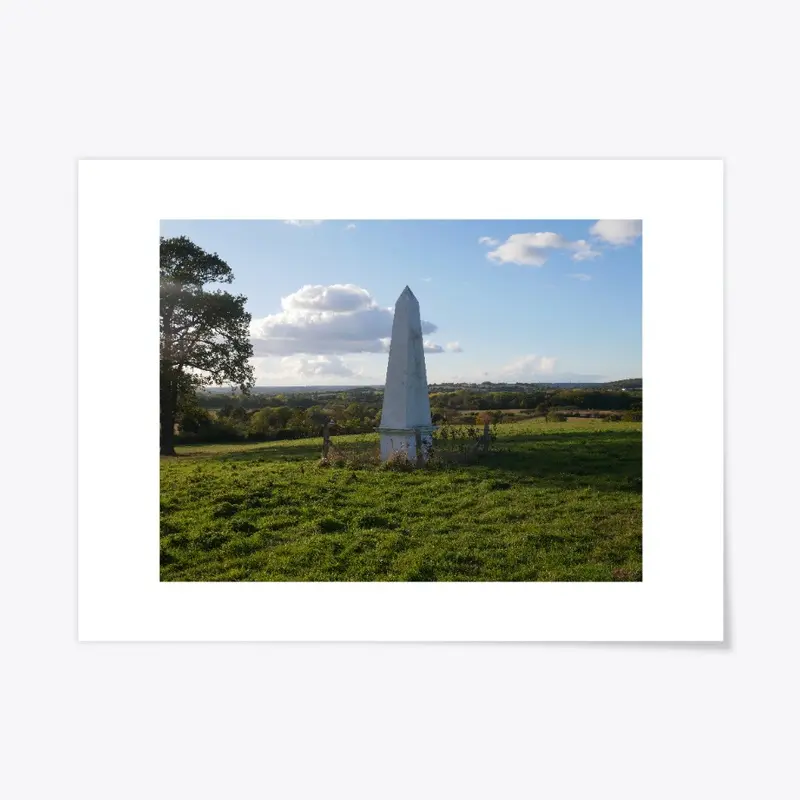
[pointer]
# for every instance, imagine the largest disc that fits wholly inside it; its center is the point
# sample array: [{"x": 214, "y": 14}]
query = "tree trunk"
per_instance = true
[{"x": 169, "y": 398}]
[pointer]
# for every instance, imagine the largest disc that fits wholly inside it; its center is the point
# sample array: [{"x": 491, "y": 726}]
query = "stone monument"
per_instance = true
[{"x": 406, "y": 416}]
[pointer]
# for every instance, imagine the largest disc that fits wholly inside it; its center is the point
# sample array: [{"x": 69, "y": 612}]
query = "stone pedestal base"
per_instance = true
[{"x": 405, "y": 439}]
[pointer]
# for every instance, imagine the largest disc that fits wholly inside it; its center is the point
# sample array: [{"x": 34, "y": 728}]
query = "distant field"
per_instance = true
[
  {"x": 555, "y": 502},
  {"x": 529, "y": 412}
]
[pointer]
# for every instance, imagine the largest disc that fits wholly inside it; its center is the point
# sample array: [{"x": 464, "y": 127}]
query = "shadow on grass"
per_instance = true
[
  {"x": 290, "y": 451},
  {"x": 604, "y": 460}
]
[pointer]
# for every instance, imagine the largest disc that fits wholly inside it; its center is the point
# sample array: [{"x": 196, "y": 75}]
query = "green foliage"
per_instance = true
[
  {"x": 398, "y": 461},
  {"x": 202, "y": 330},
  {"x": 204, "y": 333},
  {"x": 193, "y": 420},
  {"x": 198, "y": 426},
  {"x": 357, "y": 409},
  {"x": 266, "y": 416},
  {"x": 628, "y": 383},
  {"x": 270, "y": 420},
  {"x": 548, "y": 503}
]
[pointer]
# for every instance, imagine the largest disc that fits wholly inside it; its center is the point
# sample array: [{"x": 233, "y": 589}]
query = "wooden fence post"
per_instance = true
[
  {"x": 326, "y": 439},
  {"x": 485, "y": 437}
]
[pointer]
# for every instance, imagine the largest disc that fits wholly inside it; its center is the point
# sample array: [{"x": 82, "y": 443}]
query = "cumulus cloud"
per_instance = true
[
  {"x": 533, "y": 249},
  {"x": 336, "y": 297},
  {"x": 302, "y": 223},
  {"x": 350, "y": 227},
  {"x": 617, "y": 231},
  {"x": 293, "y": 370},
  {"x": 454, "y": 347},
  {"x": 579, "y": 276},
  {"x": 487, "y": 240},
  {"x": 583, "y": 250},
  {"x": 324, "y": 320},
  {"x": 528, "y": 367},
  {"x": 316, "y": 366}
]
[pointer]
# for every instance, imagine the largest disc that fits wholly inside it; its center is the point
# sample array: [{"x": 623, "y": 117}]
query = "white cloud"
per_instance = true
[
  {"x": 617, "y": 231},
  {"x": 454, "y": 347},
  {"x": 487, "y": 240},
  {"x": 583, "y": 251},
  {"x": 533, "y": 249},
  {"x": 302, "y": 223},
  {"x": 350, "y": 227},
  {"x": 335, "y": 319},
  {"x": 579, "y": 276},
  {"x": 336, "y": 297},
  {"x": 293, "y": 370},
  {"x": 528, "y": 367},
  {"x": 316, "y": 366}
]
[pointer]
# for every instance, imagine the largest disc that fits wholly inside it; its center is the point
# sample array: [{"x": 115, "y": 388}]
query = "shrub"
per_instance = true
[
  {"x": 211, "y": 430},
  {"x": 398, "y": 461},
  {"x": 554, "y": 416},
  {"x": 192, "y": 420}
]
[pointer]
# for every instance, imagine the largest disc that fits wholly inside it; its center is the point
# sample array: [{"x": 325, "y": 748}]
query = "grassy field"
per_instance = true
[{"x": 554, "y": 502}]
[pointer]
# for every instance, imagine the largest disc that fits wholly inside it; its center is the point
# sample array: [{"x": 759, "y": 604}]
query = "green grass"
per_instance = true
[{"x": 555, "y": 502}]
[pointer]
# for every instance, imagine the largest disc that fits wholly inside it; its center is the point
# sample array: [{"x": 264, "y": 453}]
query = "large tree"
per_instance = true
[{"x": 204, "y": 332}]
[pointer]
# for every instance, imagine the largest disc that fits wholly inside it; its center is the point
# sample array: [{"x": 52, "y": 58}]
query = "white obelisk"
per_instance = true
[{"x": 406, "y": 407}]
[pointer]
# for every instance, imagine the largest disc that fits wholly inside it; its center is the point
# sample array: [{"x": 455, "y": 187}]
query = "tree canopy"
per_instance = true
[{"x": 204, "y": 331}]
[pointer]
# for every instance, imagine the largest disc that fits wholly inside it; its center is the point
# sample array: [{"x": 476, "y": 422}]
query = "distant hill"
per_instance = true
[
  {"x": 287, "y": 389},
  {"x": 628, "y": 383},
  {"x": 485, "y": 386}
]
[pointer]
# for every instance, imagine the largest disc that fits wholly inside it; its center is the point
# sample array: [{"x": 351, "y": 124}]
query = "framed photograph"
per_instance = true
[{"x": 400, "y": 400}]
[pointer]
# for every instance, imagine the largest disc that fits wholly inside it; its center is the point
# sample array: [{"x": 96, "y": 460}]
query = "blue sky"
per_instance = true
[{"x": 522, "y": 300}]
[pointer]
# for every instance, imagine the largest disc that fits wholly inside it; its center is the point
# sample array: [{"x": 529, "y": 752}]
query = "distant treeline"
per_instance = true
[
  {"x": 217, "y": 417},
  {"x": 543, "y": 400},
  {"x": 612, "y": 396},
  {"x": 295, "y": 399}
]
